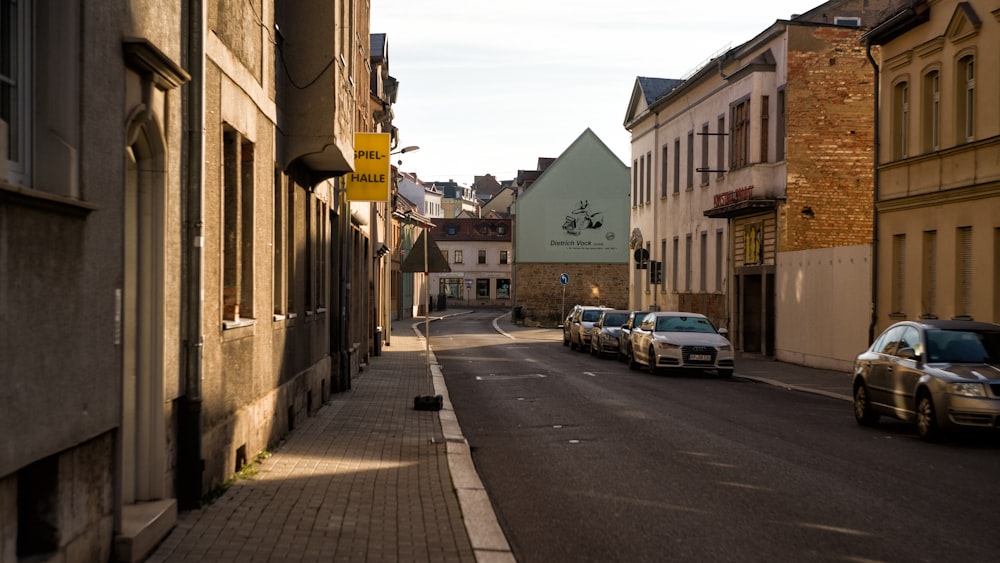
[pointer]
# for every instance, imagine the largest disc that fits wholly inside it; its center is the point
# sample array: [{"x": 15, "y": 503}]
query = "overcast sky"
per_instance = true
[{"x": 489, "y": 87}]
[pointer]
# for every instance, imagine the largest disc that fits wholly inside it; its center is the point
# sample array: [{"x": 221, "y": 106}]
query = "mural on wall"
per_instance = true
[{"x": 590, "y": 230}]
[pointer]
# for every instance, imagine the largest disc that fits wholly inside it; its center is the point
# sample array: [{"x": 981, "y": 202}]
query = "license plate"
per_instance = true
[{"x": 700, "y": 357}]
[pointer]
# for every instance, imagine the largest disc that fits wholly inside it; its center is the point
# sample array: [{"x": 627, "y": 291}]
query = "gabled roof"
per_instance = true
[
  {"x": 646, "y": 91},
  {"x": 587, "y": 156}
]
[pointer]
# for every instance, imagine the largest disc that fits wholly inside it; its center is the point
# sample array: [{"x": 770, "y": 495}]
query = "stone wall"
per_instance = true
[{"x": 544, "y": 301}]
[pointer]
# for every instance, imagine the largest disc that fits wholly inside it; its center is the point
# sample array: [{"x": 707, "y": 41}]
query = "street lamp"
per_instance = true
[{"x": 410, "y": 148}]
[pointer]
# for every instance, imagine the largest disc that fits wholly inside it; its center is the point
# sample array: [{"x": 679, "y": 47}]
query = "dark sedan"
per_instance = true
[{"x": 939, "y": 374}]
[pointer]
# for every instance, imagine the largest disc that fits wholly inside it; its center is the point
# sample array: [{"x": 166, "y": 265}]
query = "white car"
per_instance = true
[{"x": 680, "y": 341}]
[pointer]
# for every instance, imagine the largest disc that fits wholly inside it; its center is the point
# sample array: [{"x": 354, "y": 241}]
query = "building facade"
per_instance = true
[
  {"x": 752, "y": 188},
  {"x": 479, "y": 252},
  {"x": 571, "y": 233},
  {"x": 190, "y": 298},
  {"x": 937, "y": 252}
]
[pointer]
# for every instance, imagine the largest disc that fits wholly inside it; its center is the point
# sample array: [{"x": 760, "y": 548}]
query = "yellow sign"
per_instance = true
[{"x": 370, "y": 179}]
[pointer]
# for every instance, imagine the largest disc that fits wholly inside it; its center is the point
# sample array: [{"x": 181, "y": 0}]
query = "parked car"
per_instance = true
[
  {"x": 624, "y": 340},
  {"x": 580, "y": 324},
  {"x": 681, "y": 341},
  {"x": 568, "y": 323},
  {"x": 939, "y": 374},
  {"x": 604, "y": 333}
]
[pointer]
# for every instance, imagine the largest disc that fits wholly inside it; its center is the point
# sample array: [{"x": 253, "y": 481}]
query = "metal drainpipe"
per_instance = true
[
  {"x": 190, "y": 466},
  {"x": 345, "y": 286},
  {"x": 875, "y": 195}
]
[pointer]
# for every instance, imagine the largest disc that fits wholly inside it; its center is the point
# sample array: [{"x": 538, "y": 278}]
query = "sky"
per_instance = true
[{"x": 490, "y": 87}]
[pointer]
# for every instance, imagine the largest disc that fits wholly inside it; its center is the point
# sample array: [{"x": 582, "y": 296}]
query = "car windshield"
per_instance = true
[
  {"x": 963, "y": 346},
  {"x": 617, "y": 319},
  {"x": 590, "y": 315},
  {"x": 683, "y": 324}
]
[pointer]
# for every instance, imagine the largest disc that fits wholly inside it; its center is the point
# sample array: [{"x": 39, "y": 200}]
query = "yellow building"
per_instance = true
[{"x": 937, "y": 197}]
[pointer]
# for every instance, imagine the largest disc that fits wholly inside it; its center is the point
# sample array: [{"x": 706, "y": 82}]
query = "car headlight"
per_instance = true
[
  {"x": 967, "y": 389},
  {"x": 667, "y": 346},
  {"x": 726, "y": 348}
]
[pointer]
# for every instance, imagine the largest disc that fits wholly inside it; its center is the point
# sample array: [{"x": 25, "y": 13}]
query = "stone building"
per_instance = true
[
  {"x": 752, "y": 188},
  {"x": 181, "y": 306},
  {"x": 937, "y": 194},
  {"x": 571, "y": 233}
]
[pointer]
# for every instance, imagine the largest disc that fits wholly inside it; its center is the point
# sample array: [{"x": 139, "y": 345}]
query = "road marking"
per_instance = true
[{"x": 494, "y": 377}]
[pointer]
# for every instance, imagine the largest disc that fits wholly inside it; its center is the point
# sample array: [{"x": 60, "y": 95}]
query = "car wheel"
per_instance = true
[
  {"x": 725, "y": 373},
  {"x": 927, "y": 426},
  {"x": 862, "y": 406},
  {"x": 651, "y": 361},
  {"x": 632, "y": 364}
]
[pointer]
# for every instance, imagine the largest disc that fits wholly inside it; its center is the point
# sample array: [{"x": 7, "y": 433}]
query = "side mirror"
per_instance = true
[{"x": 723, "y": 331}]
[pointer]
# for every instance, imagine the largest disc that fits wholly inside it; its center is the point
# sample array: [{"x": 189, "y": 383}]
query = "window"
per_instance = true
[
  {"x": 966, "y": 99},
  {"x": 482, "y": 257},
  {"x": 765, "y": 107},
  {"x": 15, "y": 86},
  {"x": 739, "y": 134},
  {"x": 501, "y": 229},
  {"x": 452, "y": 230},
  {"x": 237, "y": 275},
  {"x": 674, "y": 264},
  {"x": 663, "y": 171},
  {"x": 963, "y": 274},
  {"x": 642, "y": 179},
  {"x": 635, "y": 183},
  {"x": 718, "y": 259},
  {"x": 931, "y": 118},
  {"x": 663, "y": 263},
  {"x": 703, "y": 263},
  {"x": 278, "y": 235},
  {"x": 458, "y": 256},
  {"x": 482, "y": 288},
  {"x": 649, "y": 176},
  {"x": 451, "y": 287},
  {"x": 687, "y": 262},
  {"x": 779, "y": 133},
  {"x": 851, "y": 21},
  {"x": 677, "y": 166},
  {"x": 900, "y": 119},
  {"x": 444, "y": 253},
  {"x": 898, "y": 265},
  {"x": 720, "y": 147},
  {"x": 690, "y": 160},
  {"x": 503, "y": 288},
  {"x": 503, "y": 256},
  {"x": 704, "y": 154},
  {"x": 928, "y": 282}
]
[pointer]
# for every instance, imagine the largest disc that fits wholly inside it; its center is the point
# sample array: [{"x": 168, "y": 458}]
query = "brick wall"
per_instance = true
[
  {"x": 830, "y": 139},
  {"x": 540, "y": 295}
]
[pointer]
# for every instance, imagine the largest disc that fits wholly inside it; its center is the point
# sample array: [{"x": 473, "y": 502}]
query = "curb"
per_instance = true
[{"x": 485, "y": 534}]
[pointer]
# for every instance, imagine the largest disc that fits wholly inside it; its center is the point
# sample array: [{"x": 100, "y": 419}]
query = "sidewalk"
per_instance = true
[
  {"x": 366, "y": 478},
  {"x": 369, "y": 478}
]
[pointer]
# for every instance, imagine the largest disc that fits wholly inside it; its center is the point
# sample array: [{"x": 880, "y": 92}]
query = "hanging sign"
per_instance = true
[{"x": 370, "y": 179}]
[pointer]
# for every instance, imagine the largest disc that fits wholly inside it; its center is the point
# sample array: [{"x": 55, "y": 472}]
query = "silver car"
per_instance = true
[
  {"x": 940, "y": 374},
  {"x": 604, "y": 334},
  {"x": 624, "y": 340},
  {"x": 581, "y": 322},
  {"x": 681, "y": 341}
]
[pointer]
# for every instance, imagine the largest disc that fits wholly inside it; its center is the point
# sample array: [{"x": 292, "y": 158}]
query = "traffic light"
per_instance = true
[{"x": 655, "y": 272}]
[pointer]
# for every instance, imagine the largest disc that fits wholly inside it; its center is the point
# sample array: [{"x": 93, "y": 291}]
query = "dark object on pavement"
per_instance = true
[{"x": 428, "y": 402}]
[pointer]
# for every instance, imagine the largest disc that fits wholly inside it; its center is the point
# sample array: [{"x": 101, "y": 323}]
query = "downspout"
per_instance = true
[
  {"x": 875, "y": 196},
  {"x": 190, "y": 465},
  {"x": 345, "y": 285}
]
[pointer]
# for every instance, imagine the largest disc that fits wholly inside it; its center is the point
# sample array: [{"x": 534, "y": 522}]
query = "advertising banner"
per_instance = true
[{"x": 370, "y": 179}]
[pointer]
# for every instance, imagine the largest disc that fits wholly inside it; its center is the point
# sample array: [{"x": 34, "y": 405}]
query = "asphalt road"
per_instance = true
[{"x": 585, "y": 460}]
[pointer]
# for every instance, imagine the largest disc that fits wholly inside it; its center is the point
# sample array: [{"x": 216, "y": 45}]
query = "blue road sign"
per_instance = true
[{"x": 564, "y": 279}]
